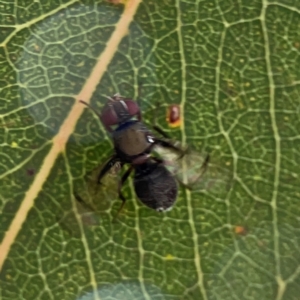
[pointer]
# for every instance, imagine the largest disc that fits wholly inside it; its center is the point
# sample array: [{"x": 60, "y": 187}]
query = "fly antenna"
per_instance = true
[{"x": 89, "y": 106}]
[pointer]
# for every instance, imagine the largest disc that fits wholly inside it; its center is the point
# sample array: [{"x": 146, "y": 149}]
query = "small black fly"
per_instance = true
[{"x": 134, "y": 144}]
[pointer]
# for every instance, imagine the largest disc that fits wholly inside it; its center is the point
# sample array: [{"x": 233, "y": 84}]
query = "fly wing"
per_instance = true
[
  {"x": 196, "y": 170},
  {"x": 99, "y": 195},
  {"x": 91, "y": 200}
]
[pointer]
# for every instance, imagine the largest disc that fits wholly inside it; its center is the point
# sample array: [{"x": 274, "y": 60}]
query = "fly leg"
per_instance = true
[
  {"x": 169, "y": 145},
  {"x": 82, "y": 202},
  {"x": 121, "y": 196},
  {"x": 204, "y": 167},
  {"x": 160, "y": 131},
  {"x": 158, "y": 160},
  {"x": 111, "y": 162},
  {"x": 155, "y": 126}
]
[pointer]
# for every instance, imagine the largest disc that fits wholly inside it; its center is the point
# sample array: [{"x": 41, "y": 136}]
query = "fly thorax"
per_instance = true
[{"x": 133, "y": 140}]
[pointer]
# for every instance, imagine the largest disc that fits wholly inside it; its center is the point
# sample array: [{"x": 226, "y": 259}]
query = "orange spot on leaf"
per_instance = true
[{"x": 240, "y": 230}]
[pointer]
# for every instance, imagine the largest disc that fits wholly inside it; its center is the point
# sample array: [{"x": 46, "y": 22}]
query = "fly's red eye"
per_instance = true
[
  {"x": 108, "y": 116},
  {"x": 132, "y": 106},
  {"x": 173, "y": 115}
]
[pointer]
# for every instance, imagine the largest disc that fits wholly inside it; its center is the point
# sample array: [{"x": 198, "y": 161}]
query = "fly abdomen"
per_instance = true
[{"x": 155, "y": 186}]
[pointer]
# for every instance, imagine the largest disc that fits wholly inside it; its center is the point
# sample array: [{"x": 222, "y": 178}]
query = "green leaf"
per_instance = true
[{"x": 233, "y": 66}]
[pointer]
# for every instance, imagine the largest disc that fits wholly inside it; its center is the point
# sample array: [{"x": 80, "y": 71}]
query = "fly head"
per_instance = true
[{"x": 119, "y": 110}]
